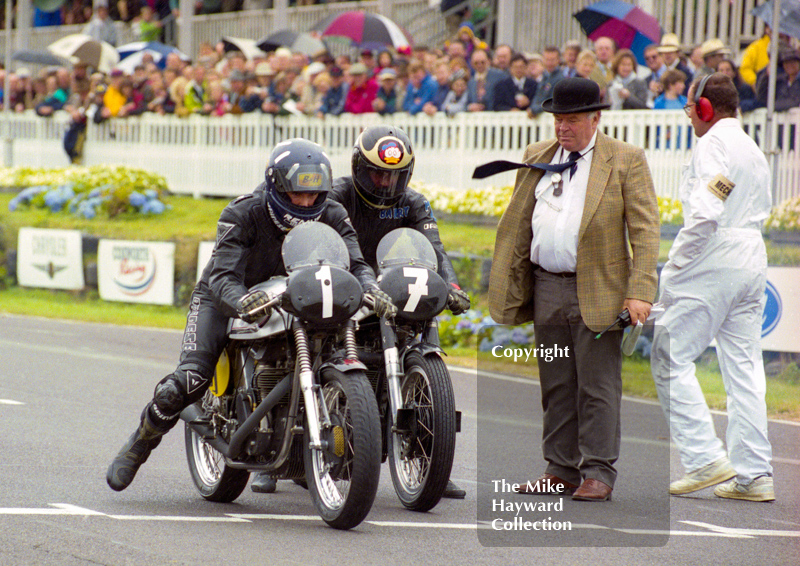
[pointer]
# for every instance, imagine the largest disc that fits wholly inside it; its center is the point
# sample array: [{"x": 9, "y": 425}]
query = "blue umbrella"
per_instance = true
[{"x": 137, "y": 50}]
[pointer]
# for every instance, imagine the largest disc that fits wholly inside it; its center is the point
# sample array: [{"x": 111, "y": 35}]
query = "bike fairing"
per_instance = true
[{"x": 412, "y": 210}]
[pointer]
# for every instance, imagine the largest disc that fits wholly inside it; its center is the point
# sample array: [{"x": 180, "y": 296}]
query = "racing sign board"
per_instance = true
[
  {"x": 52, "y": 259},
  {"x": 204, "y": 251},
  {"x": 136, "y": 272}
]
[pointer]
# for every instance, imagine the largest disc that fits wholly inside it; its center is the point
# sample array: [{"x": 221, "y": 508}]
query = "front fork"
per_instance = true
[
  {"x": 307, "y": 386},
  {"x": 391, "y": 360}
]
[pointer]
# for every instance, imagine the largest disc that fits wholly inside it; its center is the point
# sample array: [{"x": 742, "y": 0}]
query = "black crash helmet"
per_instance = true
[
  {"x": 382, "y": 163},
  {"x": 297, "y": 166}
]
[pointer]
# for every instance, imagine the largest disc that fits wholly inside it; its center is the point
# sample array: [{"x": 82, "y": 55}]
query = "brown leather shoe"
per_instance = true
[
  {"x": 548, "y": 484},
  {"x": 592, "y": 490}
]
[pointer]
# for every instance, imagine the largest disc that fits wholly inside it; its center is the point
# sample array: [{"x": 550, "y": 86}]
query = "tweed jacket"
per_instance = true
[{"x": 618, "y": 238}]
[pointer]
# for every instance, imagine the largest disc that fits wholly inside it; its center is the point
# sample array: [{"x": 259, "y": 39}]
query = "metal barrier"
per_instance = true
[{"x": 226, "y": 156}]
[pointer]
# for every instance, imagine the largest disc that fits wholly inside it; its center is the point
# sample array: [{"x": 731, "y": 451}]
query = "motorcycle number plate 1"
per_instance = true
[{"x": 323, "y": 294}]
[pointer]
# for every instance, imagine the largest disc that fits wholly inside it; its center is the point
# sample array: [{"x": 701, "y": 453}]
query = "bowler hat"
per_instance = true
[{"x": 574, "y": 95}]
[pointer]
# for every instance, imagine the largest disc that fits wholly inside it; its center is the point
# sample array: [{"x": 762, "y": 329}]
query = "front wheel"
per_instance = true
[
  {"x": 212, "y": 477},
  {"x": 421, "y": 458},
  {"x": 343, "y": 477}
]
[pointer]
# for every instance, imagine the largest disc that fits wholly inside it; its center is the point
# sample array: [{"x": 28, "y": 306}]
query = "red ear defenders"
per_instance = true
[{"x": 703, "y": 105}]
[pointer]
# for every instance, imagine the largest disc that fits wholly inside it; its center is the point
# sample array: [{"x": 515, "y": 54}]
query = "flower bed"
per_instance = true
[
  {"x": 87, "y": 191},
  {"x": 785, "y": 217}
]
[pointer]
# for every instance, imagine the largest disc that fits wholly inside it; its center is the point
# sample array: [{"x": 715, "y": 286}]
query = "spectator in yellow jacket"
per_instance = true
[
  {"x": 113, "y": 99},
  {"x": 756, "y": 56}
]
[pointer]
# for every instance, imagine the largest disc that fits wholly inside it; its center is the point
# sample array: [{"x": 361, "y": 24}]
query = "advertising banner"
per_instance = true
[
  {"x": 50, "y": 258},
  {"x": 779, "y": 327},
  {"x": 136, "y": 272},
  {"x": 204, "y": 251}
]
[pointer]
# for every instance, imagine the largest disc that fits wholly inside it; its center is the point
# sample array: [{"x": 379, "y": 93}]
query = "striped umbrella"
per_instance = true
[
  {"x": 364, "y": 30},
  {"x": 631, "y": 27}
]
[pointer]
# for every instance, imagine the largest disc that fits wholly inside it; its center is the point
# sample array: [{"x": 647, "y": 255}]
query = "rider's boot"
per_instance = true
[
  {"x": 452, "y": 491},
  {"x": 134, "y": 453},
  {"x": 263, "y": 482}
]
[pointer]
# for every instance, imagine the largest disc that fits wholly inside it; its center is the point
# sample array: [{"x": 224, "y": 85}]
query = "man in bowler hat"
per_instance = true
[{"x": 577, "y": 244}]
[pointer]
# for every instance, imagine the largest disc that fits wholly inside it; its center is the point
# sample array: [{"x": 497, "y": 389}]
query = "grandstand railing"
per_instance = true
[{"x": 225, "y": 156}]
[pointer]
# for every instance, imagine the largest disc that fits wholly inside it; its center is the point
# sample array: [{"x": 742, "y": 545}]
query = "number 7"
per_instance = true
[{"x": 417, "y": 289}]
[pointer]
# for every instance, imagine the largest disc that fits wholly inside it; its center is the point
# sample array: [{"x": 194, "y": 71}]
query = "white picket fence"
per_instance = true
[{"x": 226, "y": 156}]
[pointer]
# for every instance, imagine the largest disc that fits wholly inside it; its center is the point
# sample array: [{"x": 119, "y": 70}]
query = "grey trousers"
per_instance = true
[{"x": 581, "y": 387}]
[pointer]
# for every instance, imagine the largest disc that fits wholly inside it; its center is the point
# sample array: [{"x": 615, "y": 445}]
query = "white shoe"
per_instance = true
[
  {"x": 760, "y": 489},
  {"x": 713, "y": 473}
]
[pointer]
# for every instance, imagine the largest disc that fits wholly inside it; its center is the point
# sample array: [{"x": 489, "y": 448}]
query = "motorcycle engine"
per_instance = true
[{"x": 267, "y": 376}]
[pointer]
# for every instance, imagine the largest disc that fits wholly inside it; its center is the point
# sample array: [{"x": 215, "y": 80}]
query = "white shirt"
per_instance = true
[
  {"x": 728, "y": 151},
  {"x": 556, "y": 220}
]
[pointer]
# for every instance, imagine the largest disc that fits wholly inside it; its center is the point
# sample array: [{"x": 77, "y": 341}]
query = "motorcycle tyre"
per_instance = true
[
  {"x": 230, "y": 482},
  {"x": 422, "y": 493},
  {"x": 365, "y": 439}
]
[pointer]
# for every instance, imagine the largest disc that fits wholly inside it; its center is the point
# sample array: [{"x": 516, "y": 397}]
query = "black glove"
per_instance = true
[
  {"x": 251, "y": 307},
  {"x": 383, "y": 305},
  {"x": 457, "y": 300}
]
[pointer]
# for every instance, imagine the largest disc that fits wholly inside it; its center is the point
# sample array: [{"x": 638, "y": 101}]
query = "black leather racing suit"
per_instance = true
[
  {"x": 247, "y": 252},
  {"x": 372, "y": 224}
]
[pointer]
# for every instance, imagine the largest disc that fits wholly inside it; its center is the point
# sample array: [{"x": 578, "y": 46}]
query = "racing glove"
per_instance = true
[
  {"x": 457, "y": 300},
  {"x": 250, "y": 308},
  {"x": 382, "y": 303}
]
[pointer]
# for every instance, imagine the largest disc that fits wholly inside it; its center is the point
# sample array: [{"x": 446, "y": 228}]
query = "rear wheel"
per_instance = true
[
  {"x": 343, "y": 477},
  {"x": 212, "y": 477},
  {"x": 420, "y": 459}
]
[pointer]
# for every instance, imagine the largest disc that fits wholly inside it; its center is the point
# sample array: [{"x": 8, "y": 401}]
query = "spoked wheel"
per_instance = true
[
  {"x": 213, "y": 478},
  {"x": 421, "y": 459},
  {"x": 343, "y": 477}
]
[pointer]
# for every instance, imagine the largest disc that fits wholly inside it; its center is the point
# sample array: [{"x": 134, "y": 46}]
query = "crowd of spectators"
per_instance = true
[{"x": 461, "y": 76}]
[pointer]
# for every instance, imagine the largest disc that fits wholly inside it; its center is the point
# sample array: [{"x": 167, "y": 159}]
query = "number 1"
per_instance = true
[{"x": 326, "y": 282}]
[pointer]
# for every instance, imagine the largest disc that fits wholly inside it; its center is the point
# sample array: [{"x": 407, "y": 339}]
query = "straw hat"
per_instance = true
[
  {"x": 713, "y": 47},
  {"x": 669, "y": 43}
]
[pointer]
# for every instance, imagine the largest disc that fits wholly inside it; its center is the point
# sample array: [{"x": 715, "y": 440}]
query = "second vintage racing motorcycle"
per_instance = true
[
  {"x": 404, "y": 361},
  {"x": 290, "y": 396}
]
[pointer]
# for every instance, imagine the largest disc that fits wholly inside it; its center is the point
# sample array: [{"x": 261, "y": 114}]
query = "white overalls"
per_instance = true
[{"x": 713, "y": 288}]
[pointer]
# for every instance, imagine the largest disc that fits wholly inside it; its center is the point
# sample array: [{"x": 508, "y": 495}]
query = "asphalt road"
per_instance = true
[{"x": 71, "y": 393}]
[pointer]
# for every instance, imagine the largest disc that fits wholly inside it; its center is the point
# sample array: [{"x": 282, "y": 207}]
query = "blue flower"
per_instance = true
[
  {"x": 137, "y": 199},
  {"x": 153, "y": 207}
]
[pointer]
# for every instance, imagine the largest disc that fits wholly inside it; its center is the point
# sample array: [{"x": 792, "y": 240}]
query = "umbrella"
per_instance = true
[
  {"x": 132, "y": 54},
  {"x": 364, "y": 30},
  {"x": 39, "y": 57},
  {"x": 246, "y": 46},
  {"x": 789, "y": 16},
  {"x": 82, "y": 48},
  {"x": 302, "y": 42},
  {"x": 631, "y": 27}
]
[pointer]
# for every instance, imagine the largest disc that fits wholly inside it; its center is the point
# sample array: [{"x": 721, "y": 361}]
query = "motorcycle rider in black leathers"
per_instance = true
[
  {"x": 250, "y": 233},
  {"x": 378, "y": 200}
]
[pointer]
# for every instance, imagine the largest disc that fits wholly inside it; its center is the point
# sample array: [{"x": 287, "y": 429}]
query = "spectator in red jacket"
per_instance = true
[{"x": 362, "y": 91}]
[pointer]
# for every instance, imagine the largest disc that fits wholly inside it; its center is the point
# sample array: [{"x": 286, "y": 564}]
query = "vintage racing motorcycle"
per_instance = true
[
  {"x": 413, "y": 386},
  {"x": 290, "y": 396}
]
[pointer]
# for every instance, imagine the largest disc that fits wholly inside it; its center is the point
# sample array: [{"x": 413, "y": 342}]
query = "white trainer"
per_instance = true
[
  {"x": 713, "y": 473},
  {"x": 760, "y": 489}
]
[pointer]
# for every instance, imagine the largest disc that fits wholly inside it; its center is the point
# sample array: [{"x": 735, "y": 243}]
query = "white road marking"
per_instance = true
[
  {"x": 744, "y": 532},
  {"x": 66, "y": 509},
  {"x": 10, "y": 402}
]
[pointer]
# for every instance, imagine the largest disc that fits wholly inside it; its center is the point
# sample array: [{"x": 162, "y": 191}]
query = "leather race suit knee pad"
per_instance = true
[{"x": 176, "y": 392}]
